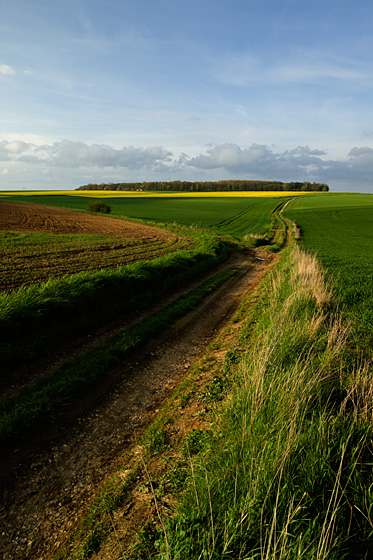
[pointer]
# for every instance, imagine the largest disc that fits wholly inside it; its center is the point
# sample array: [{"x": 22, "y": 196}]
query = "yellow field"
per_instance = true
[{"x": 154, "y": 194}]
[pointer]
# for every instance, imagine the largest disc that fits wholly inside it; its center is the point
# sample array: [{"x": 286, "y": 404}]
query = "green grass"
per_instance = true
[
  {"x": 338, "y": 228},
  {"x": 332, "y": 201}
]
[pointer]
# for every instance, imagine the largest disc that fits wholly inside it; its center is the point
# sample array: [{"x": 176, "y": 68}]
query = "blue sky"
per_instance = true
[{"x": 120, "y": 90}]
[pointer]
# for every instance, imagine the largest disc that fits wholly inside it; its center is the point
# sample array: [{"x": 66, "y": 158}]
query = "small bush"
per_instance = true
[{"x": 99, "y": 206}]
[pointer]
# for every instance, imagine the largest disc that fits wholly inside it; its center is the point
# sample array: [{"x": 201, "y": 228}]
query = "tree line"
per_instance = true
[{"x": 208, "y": 186}]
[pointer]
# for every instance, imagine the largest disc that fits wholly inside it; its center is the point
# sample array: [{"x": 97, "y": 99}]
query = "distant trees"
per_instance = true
[{"x": 208, "y": 186}]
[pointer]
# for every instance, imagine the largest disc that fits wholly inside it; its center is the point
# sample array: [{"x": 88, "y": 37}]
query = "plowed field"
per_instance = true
[
  {"x": 71, "y": 242},
  {"x": 34, "y": 217}
]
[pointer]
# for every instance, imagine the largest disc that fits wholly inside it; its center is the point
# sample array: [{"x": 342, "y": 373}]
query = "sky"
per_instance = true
[{"x": 95, "y": 91}]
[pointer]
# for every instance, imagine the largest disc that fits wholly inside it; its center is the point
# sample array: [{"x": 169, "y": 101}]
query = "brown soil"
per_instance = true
[
  {"x": 121, "y": 242},
  {"x": 49, "y": 482},
  {"x": 33, "y": 217}
]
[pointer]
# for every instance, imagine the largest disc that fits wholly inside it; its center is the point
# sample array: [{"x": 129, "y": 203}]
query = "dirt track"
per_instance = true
[{"x": 49, "y": 485}]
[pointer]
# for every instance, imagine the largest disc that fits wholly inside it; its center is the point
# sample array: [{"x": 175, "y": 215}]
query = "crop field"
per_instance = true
[
  {"x": 159, "y": 194},
  {"x": 339, "y": 228},
  {"x": 37, "y": 244},
  {"x": 236, "y": 216},
  {"x": 29, "y": 258}
]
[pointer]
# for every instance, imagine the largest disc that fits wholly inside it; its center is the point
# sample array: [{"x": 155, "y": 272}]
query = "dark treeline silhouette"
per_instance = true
[{"x": 207, "y": 186}]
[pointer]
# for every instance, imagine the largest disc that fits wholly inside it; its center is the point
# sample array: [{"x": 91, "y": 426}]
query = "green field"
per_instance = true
[
  {"x": 79, "y": 276},
  {"x": 339, "y": 229},
  {"x": 226, "y": 215}
]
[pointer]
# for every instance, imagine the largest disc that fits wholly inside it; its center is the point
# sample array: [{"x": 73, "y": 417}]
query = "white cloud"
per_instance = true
[
  {"x": 361, "y": 153},
  {"x": 305, "y": 150},
  {"x": 16, "y": 146},
  {"x": 69, "y": 154},
  {"x": 261, "y": 159},
  {"x": 6, "y": 70},
  {"x": 9, "y": 150},
  {"x": 361, "y": 158},
  {"x": 230, "y": 156}
]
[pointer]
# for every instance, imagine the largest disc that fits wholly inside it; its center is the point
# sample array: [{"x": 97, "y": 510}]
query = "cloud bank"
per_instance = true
[
  {"x": 262, "y": 160},
  {"x": 258, "y": 161},
  {"x": 69, "y": 154},
  {"x": 299, "y": 163}
]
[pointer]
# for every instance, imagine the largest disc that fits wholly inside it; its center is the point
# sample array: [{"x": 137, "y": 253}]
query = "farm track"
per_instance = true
[{"x": 49, "y": 482}]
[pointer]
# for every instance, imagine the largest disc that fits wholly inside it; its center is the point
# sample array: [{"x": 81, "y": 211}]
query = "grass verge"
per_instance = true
[{"x": 286, "y": 471}]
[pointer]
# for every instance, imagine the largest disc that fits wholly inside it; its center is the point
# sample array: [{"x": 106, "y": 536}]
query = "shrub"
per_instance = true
[{"x": 99, "y": 206}]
